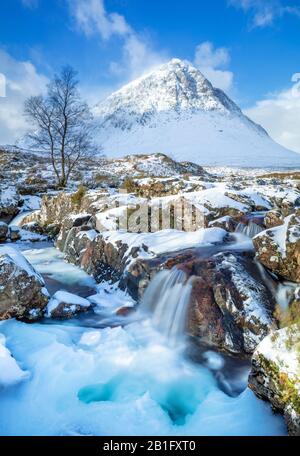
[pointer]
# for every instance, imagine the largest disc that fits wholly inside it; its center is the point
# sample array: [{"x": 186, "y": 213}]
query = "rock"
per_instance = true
[
  {"x": 64, "y": 305},
  {"x": 55, "y": 209},
  {"x": 68, "y": 223},
  {"x": 286, "y": 200},
  {"x": 81, "y": 220},
  {"x": 97, "y": 255},
  {"x": 125, "y": 311},
  {"x": 256, "y": 204},
  {"x": 33, "y": 227},
  {"x": 14, "y": 233},
  {"x": 3, "y": 231},
  {"x": 10, "y": 202},
  {"x": 273, "y": 218},
  {"x": 227, "y": 223},
  {"x": 278, "y": 249},
  {"x": 22, "y": 290},
  {"x": 230, "y": 307},
  {"x": 275, "y": 374}
]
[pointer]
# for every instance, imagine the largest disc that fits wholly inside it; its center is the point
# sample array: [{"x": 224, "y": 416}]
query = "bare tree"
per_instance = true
[{"x": 62, "y": 124}]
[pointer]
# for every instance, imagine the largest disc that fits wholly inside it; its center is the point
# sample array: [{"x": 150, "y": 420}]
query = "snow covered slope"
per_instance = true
[{"x": 176, "y": 111}]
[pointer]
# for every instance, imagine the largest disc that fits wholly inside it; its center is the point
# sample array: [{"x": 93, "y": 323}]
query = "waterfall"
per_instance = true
[
  {"x": 167, "y": 298},
  {"x": 250, "y": 230},
  {"x": 283, "y": 292},
  {"x": 66, "y": 243}
]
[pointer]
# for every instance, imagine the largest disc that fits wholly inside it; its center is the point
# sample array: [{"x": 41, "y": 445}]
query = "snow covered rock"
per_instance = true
[
  {"x": 3, "y": 231},
  {"x": 176, "y": 111},
  {"x": 10, "y": 372},
  {"x": 275, "y": 374},
  {"x": 108, "y": 255},
  {"x": 64, "y": 305},
  {"x": 279, "y": 248},
  {"x": 9, "y": 203},
  {"x": 22, "y": 290},
  {"x": 226, "y": 223},
  {"x": 14, "y": 233},
  {"x": 230, "y": 308},
  {"x": 150, "y": 165},
  {"x": 273, "y": 218},
  {"x": 32, "y": 227}
]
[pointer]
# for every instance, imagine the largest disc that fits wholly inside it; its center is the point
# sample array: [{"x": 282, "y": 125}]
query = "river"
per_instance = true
[{"x": 102, "y": 375}]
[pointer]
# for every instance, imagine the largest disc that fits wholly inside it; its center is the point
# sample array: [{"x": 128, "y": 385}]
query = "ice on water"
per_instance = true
[{"x": 120, "y": 381}]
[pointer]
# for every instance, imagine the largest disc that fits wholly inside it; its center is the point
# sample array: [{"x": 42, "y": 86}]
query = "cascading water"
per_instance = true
[
  {"x": 282, "y": 291},
  {"x": 167, "y": 298},
  {"x": 250, "y": 230}
]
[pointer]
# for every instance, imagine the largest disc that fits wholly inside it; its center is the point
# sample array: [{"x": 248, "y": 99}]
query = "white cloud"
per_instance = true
[
  {"x": 210, "y": 62},
  {"x": 92, "y": 18},
  {"x": 138, "y": 56},
  {"x": 265, "y": 12},
  {"x": 280, "y": 115},
  {"x": 22, "y": 81}
]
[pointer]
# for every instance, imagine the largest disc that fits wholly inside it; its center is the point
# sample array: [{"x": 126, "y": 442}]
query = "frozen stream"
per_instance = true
[{"x": 122, "y": 380}]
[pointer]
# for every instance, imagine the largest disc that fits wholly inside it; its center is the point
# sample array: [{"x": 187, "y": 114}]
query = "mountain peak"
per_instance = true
[
  {"x": 174, "y": 87},
  {"x": 175, "y": 110}
]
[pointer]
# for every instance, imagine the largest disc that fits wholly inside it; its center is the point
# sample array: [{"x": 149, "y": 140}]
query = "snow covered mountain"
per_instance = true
[{"x": 175, "y": 110}]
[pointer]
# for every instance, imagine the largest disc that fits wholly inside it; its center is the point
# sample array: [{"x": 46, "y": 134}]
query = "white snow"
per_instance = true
[
  {"x": 9, "y": 197},
  {"x": 166, "y": 240},
  {"x": 110, "y": 297},
  {"x": 276, "y": 348},
  {"x": 120, "y": 381},
  {"x": 67, "y": 298},
  {"x": 20, "y": 260},
  {"x": 10, "y": 372},
  {"x": 49, "y": 261},
  {"x": 175, "y": 110},
  {"x": 19, "y": 218},
  {"x": 279, "y": 236},
  {"x": 31, "y": 203}
]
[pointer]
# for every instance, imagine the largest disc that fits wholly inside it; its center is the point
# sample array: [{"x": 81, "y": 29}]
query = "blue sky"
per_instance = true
[{"x": 250, "y": 48}]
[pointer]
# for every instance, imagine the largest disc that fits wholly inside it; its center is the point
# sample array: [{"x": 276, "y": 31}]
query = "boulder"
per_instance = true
[
  {"x": 230, "y": 306},
  {"x": 14, "y": 233},
  {"x": 55, "y": 209},
  {"x": 273, "y": 218},
  {"x": 22, "y": 290},
  {"x": 275, "y": 374},
  {"x": 76, "y": 221},
  {"x": 10, "y": 202},
  {"x": 3, "y": 231},
  {"x": 125, "y": 311},
  {"x": 64, "y": 305},
  {"x": 278, "y": 249},
  {"x": 226, "y": 222},
  {"x": 33, "y": 227}
]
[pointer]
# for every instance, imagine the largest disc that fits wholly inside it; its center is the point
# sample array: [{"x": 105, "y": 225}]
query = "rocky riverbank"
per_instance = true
[{"x": 152, "y": 214}]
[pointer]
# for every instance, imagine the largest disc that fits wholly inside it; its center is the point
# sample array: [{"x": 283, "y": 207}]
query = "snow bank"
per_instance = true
[
  {"x": 167, "y": 240},
  {"x": 10, "y": 372},
  {"x": 67, "y": 298},
  {"x": 20, "y": 260},
  {"x": 50, "y": 261},
  {"x": 120, "y": 381},
  {"x": 9, "y": 197}
]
